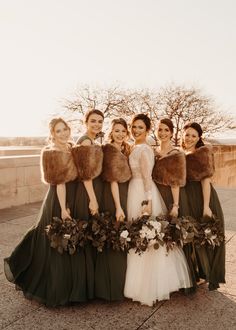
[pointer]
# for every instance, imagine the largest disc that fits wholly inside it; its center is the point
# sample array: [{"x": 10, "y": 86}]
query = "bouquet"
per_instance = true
[
  {"x": 146, "y": 231},
  {"x": 179, "y": 231},
  {"x": 210, "y": 231},
  {"x": 67, "y": 235},
  {"x": 99, "y": 228}
]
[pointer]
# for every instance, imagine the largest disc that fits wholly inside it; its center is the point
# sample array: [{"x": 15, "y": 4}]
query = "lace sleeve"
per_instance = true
[{"x": 146, "y": 165}]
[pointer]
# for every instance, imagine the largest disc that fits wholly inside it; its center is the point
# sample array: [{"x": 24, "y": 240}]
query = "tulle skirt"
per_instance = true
[{"x": 154, "y": 274}]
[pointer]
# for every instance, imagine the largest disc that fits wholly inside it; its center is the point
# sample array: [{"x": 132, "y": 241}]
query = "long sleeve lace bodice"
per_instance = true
[{"x": 141, "y": 162}]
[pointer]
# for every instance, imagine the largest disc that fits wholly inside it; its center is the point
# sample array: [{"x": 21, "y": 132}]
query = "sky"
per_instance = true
[{"x": 51, "y": 47}]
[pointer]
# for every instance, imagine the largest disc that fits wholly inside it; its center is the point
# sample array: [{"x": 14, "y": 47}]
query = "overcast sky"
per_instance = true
[{"x": 50, "y": 47}]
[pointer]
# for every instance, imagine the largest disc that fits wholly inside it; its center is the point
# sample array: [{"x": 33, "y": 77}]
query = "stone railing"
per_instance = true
[
  {"x": 225, "y": 165},
  {"x": 20, "y": 181}
]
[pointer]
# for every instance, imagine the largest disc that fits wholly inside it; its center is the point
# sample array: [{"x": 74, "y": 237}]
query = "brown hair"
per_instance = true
[
  {"x": 168, "y": 123},
  {"x": 91, "y": 112},
  {"x": 144, "y": 118},
  {"x": 198, "y": 129}
]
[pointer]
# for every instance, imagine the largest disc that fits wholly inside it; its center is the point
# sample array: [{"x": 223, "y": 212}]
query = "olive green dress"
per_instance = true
[
  {"x": 211, "y": 261},
  {"x": 40, "y": 271},
  {"x": 111, "y": 265},
  {"x": 81, "y": 211}
]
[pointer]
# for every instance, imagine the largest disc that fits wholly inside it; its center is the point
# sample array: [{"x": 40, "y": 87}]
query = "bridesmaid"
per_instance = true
[
  {"x": 169, "y": 174},
  {"x": 111, "y": 265},
  {"x": 88, "y": 158},
  {"x": 203, "y": 201},
  {"x": 37, "y": 269}
]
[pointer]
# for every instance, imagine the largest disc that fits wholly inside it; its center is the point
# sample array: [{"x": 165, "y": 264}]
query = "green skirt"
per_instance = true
[
  {"x": 81, "y": 211},
  {"x": 39, "y": 270},
  {"x": 111, "y": 265},
  {"x": 211, "y": 261}
]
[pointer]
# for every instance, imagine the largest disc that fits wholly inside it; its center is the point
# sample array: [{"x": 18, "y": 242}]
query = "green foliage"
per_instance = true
[{"x": 143, "y": 233}]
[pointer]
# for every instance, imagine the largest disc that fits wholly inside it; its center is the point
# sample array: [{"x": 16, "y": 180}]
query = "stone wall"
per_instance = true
[
  {"x": 20, "y": 176},
  {"x": 20, "y": 181},
  {"x": 225, "y": 165}
]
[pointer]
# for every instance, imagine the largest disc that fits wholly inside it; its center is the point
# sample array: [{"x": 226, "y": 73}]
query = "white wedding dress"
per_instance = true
[{"x": 154, "y": 274}]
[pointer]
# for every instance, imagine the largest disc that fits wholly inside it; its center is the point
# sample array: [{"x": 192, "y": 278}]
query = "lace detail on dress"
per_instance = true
[{"x": 141, "y": 162}]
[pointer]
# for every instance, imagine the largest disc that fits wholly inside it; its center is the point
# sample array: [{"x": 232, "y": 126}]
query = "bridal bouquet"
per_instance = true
[
  {"x": 146, "y": 231},
  {"x": 67, "y": 235},
  {"x": 210, "y": 231}
]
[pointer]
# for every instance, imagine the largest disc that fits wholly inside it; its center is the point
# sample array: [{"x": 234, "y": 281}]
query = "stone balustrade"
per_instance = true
[
  {"x": 20, "y": 181},
  {"x": 225, "y": 165}
]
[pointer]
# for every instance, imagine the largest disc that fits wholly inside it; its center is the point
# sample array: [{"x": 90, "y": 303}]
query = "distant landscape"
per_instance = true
[
  {"x": 40, "y": 141},
  {"x": 23, "y": 141}
]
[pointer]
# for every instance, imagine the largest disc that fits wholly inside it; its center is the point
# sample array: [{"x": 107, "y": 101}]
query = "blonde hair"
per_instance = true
[
  {"x": 125, "y": 148},
  {"x": 53, "y": 122}
]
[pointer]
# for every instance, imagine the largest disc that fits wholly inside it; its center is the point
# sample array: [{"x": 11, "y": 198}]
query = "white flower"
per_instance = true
[
  {"x": 156, "y": 225},
  {"x": 152, "y": 242},
  {"x": 124, "y": 234},
  {"x": 207, "y": 231},
  {"x": 143, "y": 231},
  {"x": 161, "y": 235},
  {"x": 151, "y": 234},
  {"x": 185, "y": 234},
  {"x": 146, "y": 232}
]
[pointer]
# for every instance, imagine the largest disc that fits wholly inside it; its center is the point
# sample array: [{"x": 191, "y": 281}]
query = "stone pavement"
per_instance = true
[{"x": 202, "y": 310}]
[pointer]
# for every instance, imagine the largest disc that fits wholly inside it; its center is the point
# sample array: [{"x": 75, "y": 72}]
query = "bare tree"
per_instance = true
[
  {"x": 112, "y": 101},
  {"x": 184, "y": 105},
  {"x": 178, "y": 103}
]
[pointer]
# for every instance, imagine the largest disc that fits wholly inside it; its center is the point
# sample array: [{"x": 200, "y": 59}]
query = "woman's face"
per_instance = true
[
  {"x": 139, "y": 130},
  {"x": 190, "y": 138},
  {"x": 61, "y": 133},
  {"x": 119, "y": 133},
  {"x": 163, "y": 133},
  {"x": 94, "y": 124}
]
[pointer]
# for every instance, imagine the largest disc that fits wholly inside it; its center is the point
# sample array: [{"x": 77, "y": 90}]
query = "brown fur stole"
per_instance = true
[
  {"x": 170, "y": 170},
  {"x": 200, "y": 163},
  {"x": 88, "y": 160},
  {"x": 115, "y": 165},
  {"x": 57, "y": 166}
]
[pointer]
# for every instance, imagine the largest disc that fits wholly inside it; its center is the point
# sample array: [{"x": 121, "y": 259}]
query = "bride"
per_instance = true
[{"x": 154, "y": 274}]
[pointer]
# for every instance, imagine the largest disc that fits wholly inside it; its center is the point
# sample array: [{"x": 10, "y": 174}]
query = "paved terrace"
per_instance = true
[{"x": 203, "y": 310}]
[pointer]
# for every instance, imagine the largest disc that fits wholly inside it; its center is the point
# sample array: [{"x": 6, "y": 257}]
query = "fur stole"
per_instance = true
[
  {"x": 88, "y": 160},
  {"x": 115, "y": 165},
  {"x": 170, "y": 170},
  {"x": 57, "y": 166},
  {"x": 200, "y": 163}
]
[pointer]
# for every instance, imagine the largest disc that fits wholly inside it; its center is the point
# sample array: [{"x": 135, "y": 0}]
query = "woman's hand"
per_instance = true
[
  {"x": 174, "y": 211},
  {"x": 207, "y": 212},
  {"x": 147, "y": 208},
  {"x": 65, "y": 214},
  {"x": 120, "y": 216},
  {"x": 93, "y": 206}
]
